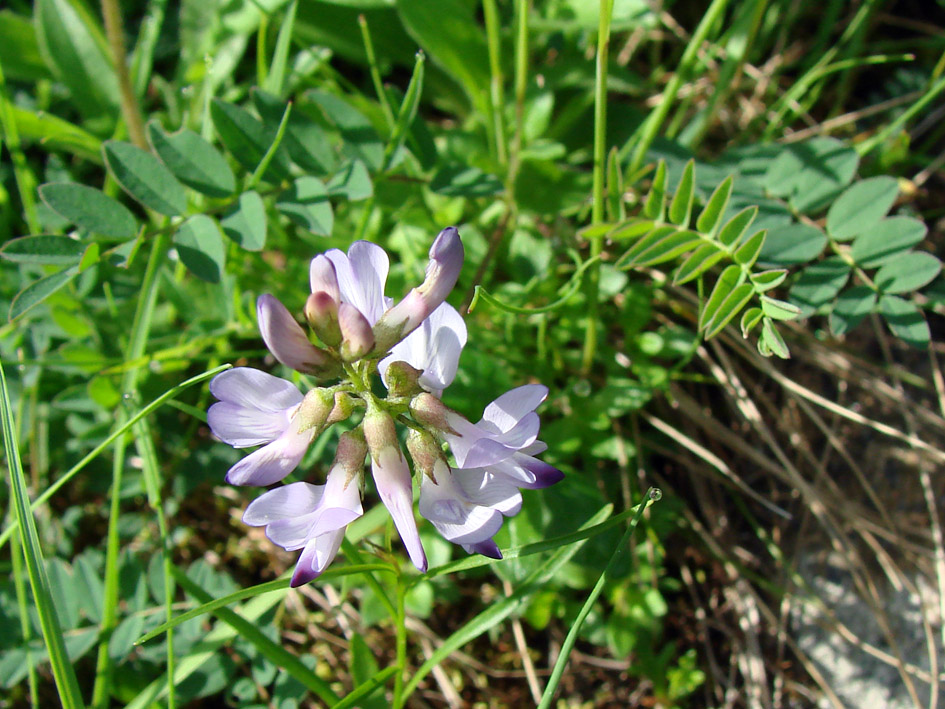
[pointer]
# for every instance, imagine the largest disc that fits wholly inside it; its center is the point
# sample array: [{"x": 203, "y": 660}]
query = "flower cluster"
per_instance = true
[{"x": 414, "y": 345}]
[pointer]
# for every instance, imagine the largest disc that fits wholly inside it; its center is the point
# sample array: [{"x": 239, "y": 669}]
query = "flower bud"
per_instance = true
[
  {"x": 343, "y": 408},
  {"x": 288, "y": 342},
  {"x": 446, "y": 261},
  {"x": 427, "y": 456},
  {"x": 357, "y": 339},
  {"x": 350, "y": 454},
  {"x": 322, "y": 315},
  {"x": 314, "y": 410},
  {"x": 431, "y": 412},
  {"x": 402, "y": 379}
]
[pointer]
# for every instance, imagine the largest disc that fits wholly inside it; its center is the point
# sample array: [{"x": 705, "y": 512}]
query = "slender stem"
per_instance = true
[
  {"x": 521, "y": 84},
  {"x": 25, "y": 180},
  {"x": 140, "y": 328},
  {"x": 496, "y": 98},
  {"x": 375, "y": 72},
  {"x": 600, "y": 162},
  {"x": 26, "y": 628},
  {"x": 651, "y": 126},
  {"x": 130, "y": 110},
  {"x": 400, "y": 627}
]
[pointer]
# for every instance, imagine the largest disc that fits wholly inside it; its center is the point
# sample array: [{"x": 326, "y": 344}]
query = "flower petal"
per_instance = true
[
  {"x": 362, "y": 275},
  {"x": 285, "y": 338},
  {"x": 273, "y": 462},
  {"x": 316, "y": 556},
  {"x": 456, "y": 518},
  {"x": 286, "y": 502},
  {"x": 489, "y": 450},
  {"x": 433, "y": 348},
  {"x": 486, "y": 548},
  {"x": 506, "y": 411},
  {"x": 254, "y": 389},
  {"x": 489, "y": 490},
  {"x": 392, "y": 478},
  {"x": 242, "y": 427},
  {"x": 322, "y": 277}
]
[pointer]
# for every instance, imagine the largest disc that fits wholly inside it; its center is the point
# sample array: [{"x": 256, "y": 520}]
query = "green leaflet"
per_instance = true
[{"x": 145, "y": 178}]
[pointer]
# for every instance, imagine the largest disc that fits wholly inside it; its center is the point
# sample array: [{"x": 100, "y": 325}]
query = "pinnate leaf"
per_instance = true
[
  {"x": 861, "y": 206},
  {"x": 43, "y": 249},
  {"x": 248, "y": 139},
  {"x": 886, "y": 239},
  {"x": 750, "y": 319},
  {"x": 819, "y": 283},
  {"x": 907, "y": 272},
  {"x": 246, "y": 224},
  {"x": 778, "y": 309},
  {"x": 698, "y": 262},
  {"x": 747, "y": 253},
  {"x": 766, "y": 280},
  {"x": 737, "y": 225},
  {"x": 711, "y": 216},
  {"x": 306, "y": 203},
  {"x": 89, "y": 209},
  {"x": 193, "y": 161},
  {"x": 681, "y": 207},
  {"x": 37, "y": 291},
  {"x": 656, "y": 199},
  {"x": 200, "y": 246},
  {"x": 726, "y": 283},
  {"x": 851, "y": 307},
  {"x": 796, "y": 243},
  {"x": 771, "y": 340},
  {"x": 905, "y": 320},
  {"x": 145, "y": 178}
]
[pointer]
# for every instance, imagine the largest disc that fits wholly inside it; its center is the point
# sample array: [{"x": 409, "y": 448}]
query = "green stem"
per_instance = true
[
  {"x": 375, "y": 72},
  {"x": 140, "y": 329},
  {"x": 521, "y": 84},
  {"x": 690, "y": 57},
  {"x": 870, "y": 145},
  {"x": 600, "y": 161},
  {"x": 400, "y": 628},
  {"x": 22, "y": 602},
  {"x": 496, "y": 98},
  {"x": 25, "y": 181},
  {"x": 130, "y": 111}
]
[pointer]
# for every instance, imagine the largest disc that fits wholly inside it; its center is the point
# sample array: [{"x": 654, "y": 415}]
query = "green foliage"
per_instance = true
[
  {"x": 273, "y": 133},
  {"x": 715, "y": 241}
]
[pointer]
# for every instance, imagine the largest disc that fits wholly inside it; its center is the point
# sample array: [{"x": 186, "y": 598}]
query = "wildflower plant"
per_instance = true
[{"x": 358, "y": 332}]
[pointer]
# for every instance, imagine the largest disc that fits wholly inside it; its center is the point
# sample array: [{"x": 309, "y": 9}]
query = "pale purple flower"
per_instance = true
[
  {"x": 286, "y": 339},
  {"x": 446, "y": 261},
  {"x": 256, "y": 408},
  {"x": 467, "y": 506},
  {"x": 392, "y": 479},
  {"x": 433, "y": 348},
  {"x": 312, "y": 518},
  {"x": 504, "y": 442},
  {"x": 356, "y": 278}
]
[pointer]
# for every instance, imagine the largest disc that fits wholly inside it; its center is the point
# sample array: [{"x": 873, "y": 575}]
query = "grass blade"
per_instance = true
[
  {"x": 652, "y": 495},
  {"x": 62, "y": 669}
]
